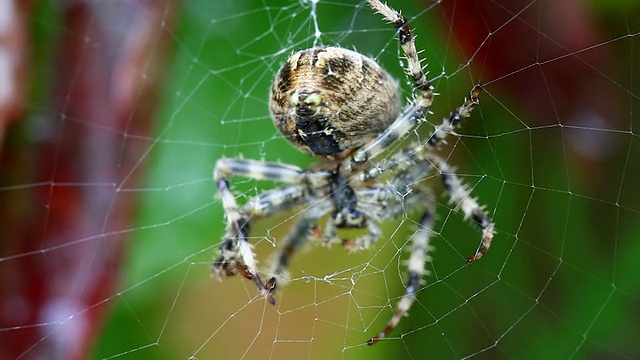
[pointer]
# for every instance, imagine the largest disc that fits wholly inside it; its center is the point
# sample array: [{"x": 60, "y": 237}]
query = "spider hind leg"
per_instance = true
[{"x": 415, "y": 273}]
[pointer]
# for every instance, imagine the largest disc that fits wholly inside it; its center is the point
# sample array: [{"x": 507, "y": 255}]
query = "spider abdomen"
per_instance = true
[{"x": 326, "y": 100}]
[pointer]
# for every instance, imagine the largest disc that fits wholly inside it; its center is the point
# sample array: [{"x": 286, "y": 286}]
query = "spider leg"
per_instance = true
[
  {"x": 298, "y": 236},
  {"x": 449, "y": 124},
  {"x": 418, "y": 108},
  {"x": 274, "y": 201},
  {"x": 415, "y": 272},
  {"x": 398, "y": 197},
  {"x": 460, "y": 195},
  {"x": 236, "y": 253},
  {"x": 330, "y": 235},
  {"x": 406, "y": 157},
  {"x": 399, "y": 161},
  {"x": 412, "y": 165},
  {"x": 407, "y": 42},
  {"x": 364, "y": 241}
]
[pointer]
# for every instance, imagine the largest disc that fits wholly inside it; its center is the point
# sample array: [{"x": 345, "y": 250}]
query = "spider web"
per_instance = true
[{"x": 552, "y": 151}]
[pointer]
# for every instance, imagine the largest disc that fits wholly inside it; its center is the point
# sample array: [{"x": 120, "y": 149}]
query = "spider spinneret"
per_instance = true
[{"x": 343, "y": 107}]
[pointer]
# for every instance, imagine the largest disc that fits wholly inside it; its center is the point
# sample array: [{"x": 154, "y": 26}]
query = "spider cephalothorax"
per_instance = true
[{"x": 343, "y": 107}]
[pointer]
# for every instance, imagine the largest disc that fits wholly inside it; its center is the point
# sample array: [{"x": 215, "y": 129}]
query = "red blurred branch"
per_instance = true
[
  {"x": 13, "y": 60},
  {"x": 552, "y": 59},
  {"x": 546, "y": 55},
  {"x": 62, "y": 202}
]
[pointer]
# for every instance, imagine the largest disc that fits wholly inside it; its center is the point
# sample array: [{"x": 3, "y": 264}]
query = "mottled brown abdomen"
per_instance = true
[{"x": 326, "y": 100}]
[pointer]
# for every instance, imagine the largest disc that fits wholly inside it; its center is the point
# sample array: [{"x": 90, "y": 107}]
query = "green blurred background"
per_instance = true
[{"x": 560, "y": 281}]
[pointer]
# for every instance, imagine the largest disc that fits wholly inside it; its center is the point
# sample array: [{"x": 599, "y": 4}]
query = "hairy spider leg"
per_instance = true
[
  {"x": 420, "y": 105},
  {"x": 298, "y": 236},
  {"x": 407, "y": 42},
  {"x": 415, "y": 272},
  {"x": 435, "y": 139},
  {"x": 450, "y": 123},
  {"x": 403, "y": 193},
  {"x": 412, "y": 165},
  {"x": 409, "y": 118},
  {"x": 460, "y": 195},
  {"x": 274, "y": 201},
  {"x": 236, "y": 253}
]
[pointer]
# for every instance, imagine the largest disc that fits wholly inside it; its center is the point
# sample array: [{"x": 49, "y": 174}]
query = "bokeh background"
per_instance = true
[{"x": 114, "y": 114}]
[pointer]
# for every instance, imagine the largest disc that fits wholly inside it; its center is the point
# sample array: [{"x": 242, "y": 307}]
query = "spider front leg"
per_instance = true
[
  {"x": 236, "y": 253},
  {"x": 419, "y": 107}
]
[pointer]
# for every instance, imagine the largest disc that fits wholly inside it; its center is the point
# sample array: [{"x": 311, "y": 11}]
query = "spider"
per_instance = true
[{"x": 343, "y": 108}]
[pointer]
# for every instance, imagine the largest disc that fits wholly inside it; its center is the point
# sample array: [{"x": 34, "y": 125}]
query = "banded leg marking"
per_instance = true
[
  {"x": 297, "y": 237},
  {"x": 460, "y": 195},
  {"x": 419, "y": 107},
  {"x": 415, "y": 271},
  {"x": 236, "y": 253},
  {"x": 438, "y": 136},
  {"x": 449, "y": 124}
]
